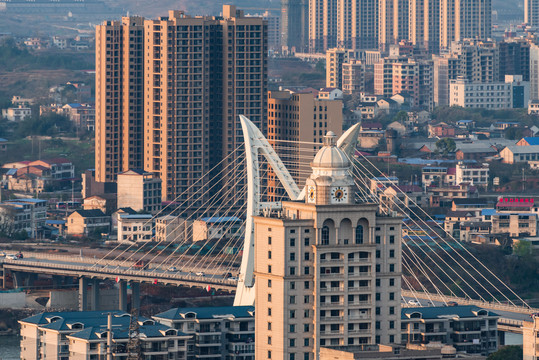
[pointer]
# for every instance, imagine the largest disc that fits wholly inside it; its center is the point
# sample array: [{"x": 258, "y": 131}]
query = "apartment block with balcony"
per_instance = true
[
  {"x": 139, "y": 190},
  {"x": 217, "y": 332},
  {"x": 469, "y": 329},
  {"x": 83, "y": 335},
  {"x": 474, "y": 174}
]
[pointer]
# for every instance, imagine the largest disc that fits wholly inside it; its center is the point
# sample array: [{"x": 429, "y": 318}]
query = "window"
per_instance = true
[
  {"x": 391, "y": 296},
  {"x": 292, "y": 270},
  {"x": 392, "y": 324},
  {"x": 325, "y": 235},
  {"x": 269, "y": 340},
  {"x": 292, "y": 285},
  {"x": 269, "y": 240},
  {"x": 306, "y": 241},
  {"x": 269, "y": 297},
  {"x": 292, "y": 242},
  {"x": 391, "y": 267},
  {"x": 378, "y": 254},
  {"x": 292, "y": 256},
  {"x": 377, "y": 282},
  {"x": 269, "y": 354},
  {"x": 269, "y": 254},
  {"x": 305, "y": 327},
  {"x": 392, "y": 339},
  {"x": 377, "y": 296},
  {"x": 306, "y": 285},
  {"x": 292, "y": 314},
  {"x": 292, "y": 299},
  {"x": 306, "y": 342},
  {"x": 306, "y": 270},
  {"x": 377, "y": 267},
  {"x": 292, "y": 355},
  {"x": 306, "y": 256},
  {"x": 377, "y": 325},
  {"x": 269, "y": 311},
  {"x": 377, "y": 310},
  {"x": 377, "y": 239},
  {"x": 391, "y": 239},
  {"x": 269, "y": 269},
  {"x": 391, "y": 253},
  {"x": 292, "y": 342},
  {"x": 391, "y": 310},
  {"x": 306, "y": 313},
  {"x": 391, "y": 282},
  {"x": 269, "y": 326},
  {"x": 292, "y": 328},
  {"x": 306, "y": 299},
  {"x": 359, "y": 234},
  {"x": 269, "y": 283}
]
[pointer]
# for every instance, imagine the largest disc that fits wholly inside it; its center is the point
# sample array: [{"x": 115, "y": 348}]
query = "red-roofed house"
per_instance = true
[
  {"x": 370, "y": 126},
  {"x": 60, "y": 168}
]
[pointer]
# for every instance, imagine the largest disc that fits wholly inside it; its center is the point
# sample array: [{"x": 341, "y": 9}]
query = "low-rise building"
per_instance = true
[
  {"x": 17, "y": 113},
  {"x": 514, "y": 93},
  {"x": 469, "y": 329},
  {"x": 172, "y": 228},
  {"x": 20, "y": 215},
  {"x": 218, "y": 227},
  {"x": 83, "y": 335},
  {"x": 60, "y": 168},
  {"x": 474, "y": 174},
  {"x": 81, "y": 115},
  {"x": 517, "y": 154},
  {"x": 442, "y": 196},
  {"x": 218, "y": 332},
  {"x": 139, "y": 190},
  {"x": 135, "y": 228},
  {"x": 87, "y": 222}
]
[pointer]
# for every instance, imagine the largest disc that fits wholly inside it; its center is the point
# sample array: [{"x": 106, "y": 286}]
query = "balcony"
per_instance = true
[
  {"x": 332, "y": 304},
  {"x": 359, "y": 317},
  {"x": 331, "y": 318},
  {"x": 357, "y": 302},
  {"x": 332, "y": 261},
  {"x": 332, "y": 289},
  {"x": 360, "y": 274},
  {"x": 359, "y": 331}
]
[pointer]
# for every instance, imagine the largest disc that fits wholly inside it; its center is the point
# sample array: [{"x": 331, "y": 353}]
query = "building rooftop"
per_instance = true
[
  {"x": 208, "y": 312},
  {"x": 532, "y": 140},
  {"x": 437, "y": 312},
  {"x": 531, "y": 149},
  {"x": 90, "y": 213}
]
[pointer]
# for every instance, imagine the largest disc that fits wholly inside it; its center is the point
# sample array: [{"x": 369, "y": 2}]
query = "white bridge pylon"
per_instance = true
[{"x": 256, "y": 144}]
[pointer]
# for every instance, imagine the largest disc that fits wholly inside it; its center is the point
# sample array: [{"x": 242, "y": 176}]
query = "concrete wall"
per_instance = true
[{"x": 12, "y": 300}]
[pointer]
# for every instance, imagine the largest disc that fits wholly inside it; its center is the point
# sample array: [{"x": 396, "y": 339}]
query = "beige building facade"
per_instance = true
[
  {"x": 297, "y": 123},
  {"x": 327, "y": 269},
  {"x": 530, "y": 339},
  {"x": 140, "y": 191}
]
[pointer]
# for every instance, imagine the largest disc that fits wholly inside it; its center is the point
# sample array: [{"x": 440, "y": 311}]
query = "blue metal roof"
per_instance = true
[
  {"x": 208, "y": 312},
  {"x": 220, "y": 219},
  {"x": 55, "y": 222},
  {"x": 487, "y": 212},
  {"x": 29, "y": 200},
  {"x": 532, "y": 140},
  {"x": 11, "y": 172}
]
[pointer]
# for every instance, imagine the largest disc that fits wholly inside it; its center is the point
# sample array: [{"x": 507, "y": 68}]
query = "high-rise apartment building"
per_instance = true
[
  {"x": 119, "y": 92},
  {"x": 534, "y": 72},
  {"x": 295, "y": 24},
  {"x": 393, "y": 22},
  {"x": 353, "y": 77},
  {"x": 335, "y": 58},
  {"x": 464, "y": 19},
  {"x": 352, "y": 24},
  {"x": 514, "y": 58},
  {"x": 178, "y": 86},
  {"x": 531, "y": 12},
  {"x": 424, "y": 24},
  {"x": 327, "y": 269},
  {"x": 295, "y": 122}
]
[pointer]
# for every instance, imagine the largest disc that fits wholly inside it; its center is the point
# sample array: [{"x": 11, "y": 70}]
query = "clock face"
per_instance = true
[
  {"x": 311, "y": 194},
  {"x": 339, "y": 194}
]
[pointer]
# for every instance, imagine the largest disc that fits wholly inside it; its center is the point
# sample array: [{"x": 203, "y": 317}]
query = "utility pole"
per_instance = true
[
  {"x": 134, "y": 350},
  {"x": 109, "y": 337}
]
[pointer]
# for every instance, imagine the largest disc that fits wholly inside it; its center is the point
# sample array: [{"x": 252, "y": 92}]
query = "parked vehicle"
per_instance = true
[
  {"x": 200, "y": 273},
  {"x": 172, "y": 269},
  {"x": 414, "y": 302},
  {"x": 452, "y": 303},
  {"x": 141, "y": 264},
  {"x": 11, "y": 257}
]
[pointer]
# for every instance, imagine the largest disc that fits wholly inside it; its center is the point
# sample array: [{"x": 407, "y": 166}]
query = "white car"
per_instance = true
[
  {"x": 11, "y": 257},
  {"x": 200, "y": 273},
  {"x": 414, "y": 302},
  {"x": 233, "y": 278},
  {"x": 172, "y": 269}
]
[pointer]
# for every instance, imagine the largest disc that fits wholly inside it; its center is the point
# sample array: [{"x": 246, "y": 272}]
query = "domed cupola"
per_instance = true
[{"x": 330, "y": 181}]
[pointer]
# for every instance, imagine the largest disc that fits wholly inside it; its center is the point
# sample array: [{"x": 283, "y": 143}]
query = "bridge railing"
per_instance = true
[
  {"x": 462, "y": 301},
  {"x": 113, "y": 271}
]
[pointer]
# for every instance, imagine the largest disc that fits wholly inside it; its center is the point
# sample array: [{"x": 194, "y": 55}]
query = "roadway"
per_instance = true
[{"x": 121, "y": 270}]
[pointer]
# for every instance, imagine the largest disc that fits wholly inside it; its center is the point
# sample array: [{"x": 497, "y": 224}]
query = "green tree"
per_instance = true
[
  {"x": 513, "y": 133},
  {"x": 523, "y": 248},
  {"x": 446, "y": 146},
  {"x": 511, "y": 352},
  {"x": 401, "y": 116}
]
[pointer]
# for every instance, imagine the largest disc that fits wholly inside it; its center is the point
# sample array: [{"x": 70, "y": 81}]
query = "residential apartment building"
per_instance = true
[
  {"x": 295, "y": 24},
  {"x": 335, "y": 58},
  {"x": 393, "y": 22},
  {"x": 474, "y": 174},
  {"x": 172, "y": 228},
  {"x": 189, "y": 70},
  {"x": 216, "y": 332},
  {"x": 23, "y": 215},
  {"x": 531, "y": 13},
  {"x": 83, "y": 335},
  {"x": 327, "y": 269},
  {"x": 514, "y": 58},
  {"x": 353, "y": 77},
  {"x": 218, "y": 228},
  {"x": 468, "y": 329},
  {"x": 494, "y": 95},
  {"x": 530, "y": 339},
  {"x": 135, "y": 228},
  {"x": 461, "y": 20},
  {"x": 17, "y": 113},
  {"x": 295, "y": 121},
  {"x": 139, "y": 190},
  {"x": 87, "y": 222},
  {"x": 424, "y": 24},
  {"x": 119, "y": 89}
]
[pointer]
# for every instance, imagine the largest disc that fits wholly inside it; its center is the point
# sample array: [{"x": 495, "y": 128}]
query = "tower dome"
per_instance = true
[{"x": 330, "y": 156}]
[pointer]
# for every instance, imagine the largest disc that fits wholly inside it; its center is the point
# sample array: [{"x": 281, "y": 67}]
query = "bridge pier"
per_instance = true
[
  {"x": 18, "y": 279},
  {"x": 95, "y": 294},
  {"x": 83, "y": 293},
  {"x": 57, "y": 281},
  {"x": 122, "y": 296},
  {"x": 135, "y": 296},
  {"x": 30, "y": 279}
]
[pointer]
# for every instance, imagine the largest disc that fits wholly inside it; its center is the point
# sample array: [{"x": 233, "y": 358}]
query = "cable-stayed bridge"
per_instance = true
[{"x": 439, "y": 269}]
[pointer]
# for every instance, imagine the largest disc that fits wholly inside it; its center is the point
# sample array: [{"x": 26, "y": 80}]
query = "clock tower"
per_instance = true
[{"x": 330, "y": 182}]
